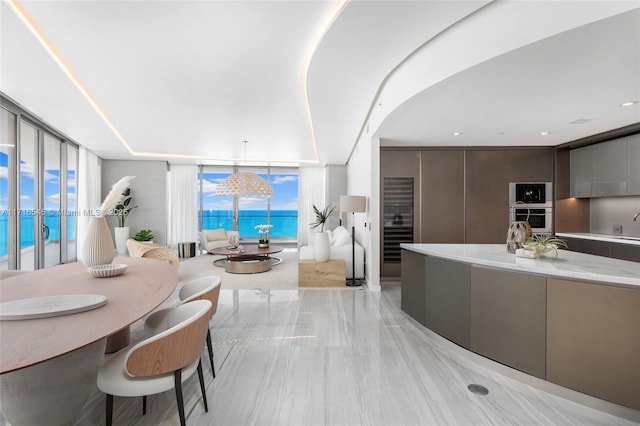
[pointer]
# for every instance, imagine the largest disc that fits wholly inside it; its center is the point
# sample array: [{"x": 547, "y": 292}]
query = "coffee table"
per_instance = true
[{"x": 248, "y": 259}]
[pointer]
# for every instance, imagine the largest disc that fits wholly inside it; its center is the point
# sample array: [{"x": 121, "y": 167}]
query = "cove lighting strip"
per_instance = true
[{"x": 57, "y": 57}]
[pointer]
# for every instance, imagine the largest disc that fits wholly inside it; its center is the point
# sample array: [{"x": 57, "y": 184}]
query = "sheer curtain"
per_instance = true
[
  {"x": 310, "y": 192},
  {"x": 182, "y": 202},
  {"x": 89, "y": 192}
]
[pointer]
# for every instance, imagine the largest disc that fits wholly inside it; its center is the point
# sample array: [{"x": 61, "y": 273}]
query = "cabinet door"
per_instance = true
[
  {"x": 581, "y": 165},
  {"x": 442, "y": 189},
  {"x": 633, "y": 186},
  {"x": 508, "y": 316},
  {"x": 610, "y": 168},
  {"x": 447, "y": 299},
  {"x": 413, "y": 284},
  {"x": 593, "y": 340}
]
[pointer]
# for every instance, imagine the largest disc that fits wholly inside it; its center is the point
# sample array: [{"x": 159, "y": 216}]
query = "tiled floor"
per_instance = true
[{"x": 342, "y": 357}]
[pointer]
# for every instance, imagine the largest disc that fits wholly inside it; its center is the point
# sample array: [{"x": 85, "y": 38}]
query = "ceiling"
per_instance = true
[{"x": 303, "y": 81}]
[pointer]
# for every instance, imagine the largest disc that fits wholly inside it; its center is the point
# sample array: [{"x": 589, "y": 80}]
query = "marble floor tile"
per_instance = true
[{"x": 346, "y": 357}]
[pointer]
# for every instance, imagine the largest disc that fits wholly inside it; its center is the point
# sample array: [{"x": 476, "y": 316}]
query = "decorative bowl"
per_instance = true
[{"x": 105, "y": 271}]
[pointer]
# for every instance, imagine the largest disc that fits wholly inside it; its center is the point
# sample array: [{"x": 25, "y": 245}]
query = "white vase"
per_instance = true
[
  {"x": 321, "y": 247},
  {"x": 98, "y": 244},
  {"x": 121, "y": 235}
]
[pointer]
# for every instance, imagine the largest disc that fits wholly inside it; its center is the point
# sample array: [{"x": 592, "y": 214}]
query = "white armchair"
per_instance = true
[
  {"x": 213, "y": 238},
  {"x": 340, "y": 249}
]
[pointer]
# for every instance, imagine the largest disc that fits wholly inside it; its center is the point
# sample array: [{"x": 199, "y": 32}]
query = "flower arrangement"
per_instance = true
[{"x": 264, "y": 234}]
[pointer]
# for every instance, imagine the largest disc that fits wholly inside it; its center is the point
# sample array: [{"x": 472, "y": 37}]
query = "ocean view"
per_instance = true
[
  {"x": 285, "y": 222},
  {"x": 285, "y": 225}
]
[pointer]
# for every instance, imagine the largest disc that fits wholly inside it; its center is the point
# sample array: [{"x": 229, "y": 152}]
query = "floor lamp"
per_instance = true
[{"x": 353, "y": 204}]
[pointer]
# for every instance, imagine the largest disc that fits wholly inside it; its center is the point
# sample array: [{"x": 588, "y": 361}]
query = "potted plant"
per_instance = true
[
  {"x": 122, "y": 210},
  {"x": 321, "y": 246},
  {"x": 144, "y": 236},
  {"x": 542, "y": 244},
  {"x": 263, "y": 242}
]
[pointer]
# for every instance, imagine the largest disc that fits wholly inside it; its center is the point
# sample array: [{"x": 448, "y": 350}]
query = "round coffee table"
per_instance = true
[{"x": 249, "y": 259}]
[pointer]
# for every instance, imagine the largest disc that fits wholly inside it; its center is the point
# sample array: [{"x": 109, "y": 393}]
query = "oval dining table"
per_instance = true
[{"x": 48, "y": 366}]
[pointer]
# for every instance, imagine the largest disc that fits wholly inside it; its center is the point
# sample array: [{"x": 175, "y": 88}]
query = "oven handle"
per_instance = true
[{"x": 525, "y": 205}]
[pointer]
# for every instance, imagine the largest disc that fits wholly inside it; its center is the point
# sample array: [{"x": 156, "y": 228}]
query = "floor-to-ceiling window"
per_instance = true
[
  {"x": 38, "y": 176},
  {"x": 244, "y": 213}
]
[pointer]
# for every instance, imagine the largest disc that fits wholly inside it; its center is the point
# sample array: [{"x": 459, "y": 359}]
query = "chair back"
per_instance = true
[
  {"x": 204, "y": 288},
  {"x": 176, "y": 347}
]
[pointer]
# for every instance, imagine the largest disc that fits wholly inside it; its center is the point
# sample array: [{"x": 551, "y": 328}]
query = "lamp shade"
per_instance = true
[
  {"x": 244, "y": 183},
  {"x": 353, "y": 203}
]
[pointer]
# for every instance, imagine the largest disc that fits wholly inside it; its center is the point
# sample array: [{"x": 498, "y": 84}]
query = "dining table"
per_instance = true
[{"x": 48, "y": 365}]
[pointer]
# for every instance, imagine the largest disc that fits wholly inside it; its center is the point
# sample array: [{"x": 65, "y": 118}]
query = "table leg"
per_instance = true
[{"x": 118, "y": 340}]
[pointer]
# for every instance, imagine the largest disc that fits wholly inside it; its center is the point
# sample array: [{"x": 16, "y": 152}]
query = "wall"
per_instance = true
[
  {"x": 335, "y": 186},
  {"x": 148, "y": 191},
  {"x": 363, "y": 172},
  {"x": 609, "y": 211}
]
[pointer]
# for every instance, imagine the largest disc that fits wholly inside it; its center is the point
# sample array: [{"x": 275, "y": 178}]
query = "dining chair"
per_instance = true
[
  {"x": 160, "y": 362},
  {"x": 207, "y": 288}
]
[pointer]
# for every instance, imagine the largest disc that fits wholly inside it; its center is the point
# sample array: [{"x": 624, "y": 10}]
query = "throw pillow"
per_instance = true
[{"x": 341, "y": 236}]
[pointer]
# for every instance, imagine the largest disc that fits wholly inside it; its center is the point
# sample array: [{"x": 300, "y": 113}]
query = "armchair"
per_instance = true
[{"x": 213, "y": 238}]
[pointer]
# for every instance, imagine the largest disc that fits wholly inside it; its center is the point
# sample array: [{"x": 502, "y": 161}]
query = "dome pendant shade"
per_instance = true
[{"x": 244, "y": 183}]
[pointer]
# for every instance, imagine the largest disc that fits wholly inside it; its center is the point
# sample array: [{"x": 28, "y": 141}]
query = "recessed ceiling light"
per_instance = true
[
  {"x": 629, "y": 103},
  {"x": 544, "y": 133},
  {"x": 457, "y": 133}
]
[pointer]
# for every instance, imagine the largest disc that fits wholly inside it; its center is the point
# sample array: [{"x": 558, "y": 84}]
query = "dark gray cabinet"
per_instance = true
[
  {"x": 413, "y": 277},
  {"x": 508, "y": 318},
  {"x": 634, "y": 164},
  {"x": 604, "y": 248},
  {"x": 447, "y": 293}
]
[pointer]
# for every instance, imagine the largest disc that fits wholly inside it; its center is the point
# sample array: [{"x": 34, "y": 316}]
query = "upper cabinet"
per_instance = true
[
  {"x": 607, "y": 169},
  {"x": 634, "y": 164}
]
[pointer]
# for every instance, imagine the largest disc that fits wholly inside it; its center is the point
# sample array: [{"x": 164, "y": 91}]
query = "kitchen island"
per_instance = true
[{"x": 573, "y": 320}]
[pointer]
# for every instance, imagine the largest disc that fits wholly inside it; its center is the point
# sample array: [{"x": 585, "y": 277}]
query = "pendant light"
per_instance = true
[{"x": 244, "y": 183}]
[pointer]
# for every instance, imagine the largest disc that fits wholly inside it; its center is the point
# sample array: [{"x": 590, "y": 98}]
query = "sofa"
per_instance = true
[
  {"x": 340, "y": 249},
  {"x": 213, "y": 238}
]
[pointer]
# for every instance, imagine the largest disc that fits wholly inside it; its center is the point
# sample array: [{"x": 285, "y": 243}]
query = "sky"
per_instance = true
[{"x": 285, "y": 194}]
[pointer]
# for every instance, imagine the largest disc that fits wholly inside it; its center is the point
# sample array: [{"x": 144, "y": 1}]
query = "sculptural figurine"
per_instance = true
[{"x": 517, "y": 235}]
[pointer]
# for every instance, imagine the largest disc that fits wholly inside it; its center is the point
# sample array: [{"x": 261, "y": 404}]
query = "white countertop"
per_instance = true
[
  {"x": 568, "y": 264},
  {"x": 600, "y": 237}
]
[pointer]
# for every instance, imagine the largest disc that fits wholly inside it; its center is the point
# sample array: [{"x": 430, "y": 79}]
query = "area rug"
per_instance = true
[{"x": 283, "y": 276}]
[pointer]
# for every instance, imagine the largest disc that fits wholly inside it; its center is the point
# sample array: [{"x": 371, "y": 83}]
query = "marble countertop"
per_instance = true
[
  {"x": 600, "y": 237},
  {"x": 568, "y": 264}
]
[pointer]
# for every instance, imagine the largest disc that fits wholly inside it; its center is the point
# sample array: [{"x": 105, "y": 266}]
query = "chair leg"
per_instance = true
[
  {"x": 109, "y": 411},
  {"x": 178, "y": 385},
  {"x": 144, "y": 405},
  {"x": 202, "y": 389},
  {"x": 210, "y": 348}
]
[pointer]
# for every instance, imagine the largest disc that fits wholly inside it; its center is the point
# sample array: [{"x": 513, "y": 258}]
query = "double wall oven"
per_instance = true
[{"x": 532, "y": 202}]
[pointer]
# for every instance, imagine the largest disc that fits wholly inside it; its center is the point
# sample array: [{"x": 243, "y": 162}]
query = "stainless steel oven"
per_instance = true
[
  {"x": 533, "y": 194},
  {"x": 532, "y": 202}
]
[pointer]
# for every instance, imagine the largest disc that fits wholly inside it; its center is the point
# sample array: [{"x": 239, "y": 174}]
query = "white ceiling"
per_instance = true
[{"x": 188, "y": 81}]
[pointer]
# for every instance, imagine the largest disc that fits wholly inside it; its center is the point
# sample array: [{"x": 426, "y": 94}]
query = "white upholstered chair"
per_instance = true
[
  {"x": 161, "y": 362},
  {"x": 207, "y": 288}
]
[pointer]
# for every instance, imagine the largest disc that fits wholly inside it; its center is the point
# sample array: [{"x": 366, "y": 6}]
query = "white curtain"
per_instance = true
[
  {"x": 311, "y": 191},
  {"x": 182, "y": 199},
  {"x": 89, "y": 192}
]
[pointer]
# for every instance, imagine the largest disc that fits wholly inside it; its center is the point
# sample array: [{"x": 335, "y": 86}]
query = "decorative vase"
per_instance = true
[
  {"x": 517, "y": 235},
  {"x": 98, "y": 245},
  {"x": 263, "y": 243},
  {"x": 121, "y": 235},
  {"x": 321, "y": 247}
]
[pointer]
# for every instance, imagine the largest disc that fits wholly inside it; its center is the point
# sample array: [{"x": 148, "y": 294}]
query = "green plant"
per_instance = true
[
  {"x": 122, "y": 209},
  {"x": 321, "y": 216},
  {"x": 544, "y": 244},
  {"x": 144, "y": 235}
]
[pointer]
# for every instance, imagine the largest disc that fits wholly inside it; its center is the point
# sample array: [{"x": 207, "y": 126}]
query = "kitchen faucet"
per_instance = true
[{"x": 636, "y": 216}]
